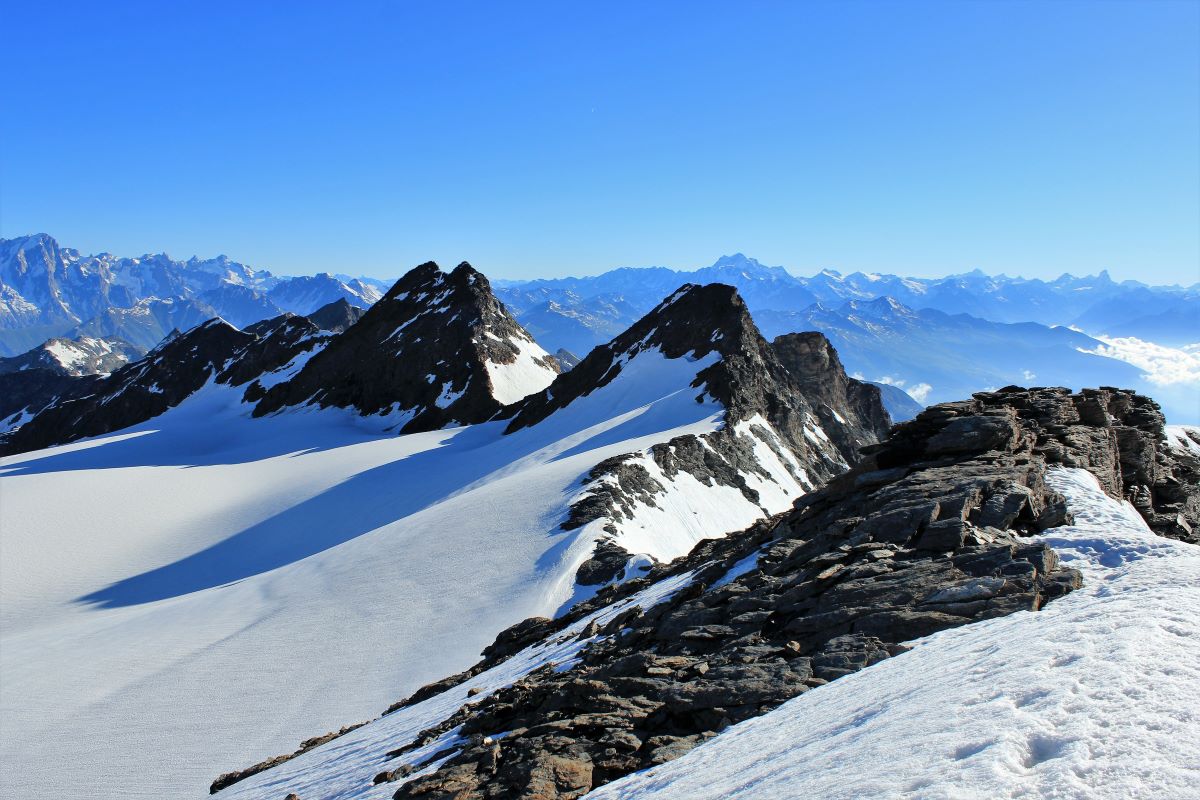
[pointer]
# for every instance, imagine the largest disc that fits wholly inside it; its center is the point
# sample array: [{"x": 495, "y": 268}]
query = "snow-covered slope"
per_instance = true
[
  {"x": 1098, "y": 695},
  {"x": 189, "y": 579},
  {"x": 206, "y": 586}
]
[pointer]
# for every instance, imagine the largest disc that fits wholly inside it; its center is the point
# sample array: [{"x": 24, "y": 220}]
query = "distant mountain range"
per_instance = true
[
  {"x": 935, "y": 338},
  {"x": 48, "y": 291},
  {"x": 1096, "y": 304}
]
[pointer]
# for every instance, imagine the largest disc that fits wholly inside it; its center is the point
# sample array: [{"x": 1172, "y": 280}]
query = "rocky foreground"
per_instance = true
[{"x": 927, "y": 533}]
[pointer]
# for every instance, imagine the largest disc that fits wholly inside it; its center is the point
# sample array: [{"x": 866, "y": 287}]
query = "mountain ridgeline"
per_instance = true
[
  {"x": 437, "y": 349},
  {"x": 51, "y": 291}
]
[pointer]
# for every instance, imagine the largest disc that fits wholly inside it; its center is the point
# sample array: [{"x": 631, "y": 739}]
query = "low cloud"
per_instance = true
[
  {"x": 1027, "y": 375},
  {"x": 918, "y": 391},
  {"x": 1162, "y": 366}
]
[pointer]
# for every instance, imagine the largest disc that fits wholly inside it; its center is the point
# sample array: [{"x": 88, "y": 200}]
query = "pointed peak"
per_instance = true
[
  {"x": 439, "y": 349},
  {"x": 695, "y": 322}
]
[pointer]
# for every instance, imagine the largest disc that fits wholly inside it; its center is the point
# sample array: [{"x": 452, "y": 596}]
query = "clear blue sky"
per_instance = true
[{"x": 570, "y": 137}]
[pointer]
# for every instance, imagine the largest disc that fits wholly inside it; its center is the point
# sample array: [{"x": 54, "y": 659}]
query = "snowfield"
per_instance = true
[
  {"x": 202, "y": 591},
  {"x": 342, "y": 768},
  {"x": 1097, "y": 695}
]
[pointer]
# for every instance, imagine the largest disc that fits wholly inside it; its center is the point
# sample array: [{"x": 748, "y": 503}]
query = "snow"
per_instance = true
[
  {"x": 343, "y": 768},
  {"x": 1097, "y": 695},
  {"x": 1184, "y": 437},
  {"x": 524, "y": 376},
  {"x": 290, "y": 369},
  {"x": 448, "y": 395},
  {"x": 202, "y": 591}
]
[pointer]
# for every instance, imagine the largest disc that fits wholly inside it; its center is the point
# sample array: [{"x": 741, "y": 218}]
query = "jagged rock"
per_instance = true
[
  {"x": 438, "y": 348},
  {"x": 337, "y": 316},
  {"x": 164, "y": 378},
  {"x": 850, "y": 410},
  {"x": 792, "y": 397},
  {"x": 607, "y": 562}
]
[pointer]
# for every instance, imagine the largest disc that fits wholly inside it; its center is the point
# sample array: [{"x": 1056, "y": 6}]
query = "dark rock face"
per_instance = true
[
  {"x": 851, "y": 411},
  {"x": 783, "y": 393},
  {"x": 422, "y": 349},
  {"x": 337, "y": 316},
  {"x": 1115, "y": 434},
  {"x": 29, "y": 391},
  {"x": 56, "y": 370},
  {"x": 164, "y": 378}
]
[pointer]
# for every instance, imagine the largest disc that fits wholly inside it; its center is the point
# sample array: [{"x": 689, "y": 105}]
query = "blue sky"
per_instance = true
[{"x": 544, "y": 139}]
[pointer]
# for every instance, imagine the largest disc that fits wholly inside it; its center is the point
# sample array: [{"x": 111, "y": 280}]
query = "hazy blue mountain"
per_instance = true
[
  {"x": 307, "y": 293},
  {"x": 239, "y": 305},
  {"x": 1095, "y": 303},
  {"x": 147, "y": 323},
  {"x": 49, "y": 291},
  {"x": 899, "y": 404},
  {"x": 937, "y": 357}
]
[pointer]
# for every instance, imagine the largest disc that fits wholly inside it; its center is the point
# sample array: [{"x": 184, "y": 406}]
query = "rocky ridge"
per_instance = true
[
  {"x": 438, "y": 349},
  {"x": 336, "y": 316},
  {"x": 166, "y": 376},
  {"x": 54, "y": 370},
  {"x": 790, "y": 422},
  {"x": 927, "y": 533}
]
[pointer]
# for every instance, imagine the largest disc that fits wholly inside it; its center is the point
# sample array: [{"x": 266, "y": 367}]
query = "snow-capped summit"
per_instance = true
[
  {"x": 82, "y": 356},
  {"x": 437, "y": 349}
]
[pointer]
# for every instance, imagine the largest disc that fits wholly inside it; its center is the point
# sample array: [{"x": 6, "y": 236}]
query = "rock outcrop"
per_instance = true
[
  {"x": 167, "y": 375},
  {"x": 928, "y": 532},
  {"x": 851, "y": 411},
  {"x": 437, "y": 349},
  {"x": 792, "y": 418},
  {"x": 336, "y": 316}
]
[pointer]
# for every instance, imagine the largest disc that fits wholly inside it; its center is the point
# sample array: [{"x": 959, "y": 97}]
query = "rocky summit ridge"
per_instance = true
[
  {"x": 788, "y": 423},
  {"x": 928, "y": 532},
  {"x": 170, "y": 373},
  {"x": 438, "y": 348}
]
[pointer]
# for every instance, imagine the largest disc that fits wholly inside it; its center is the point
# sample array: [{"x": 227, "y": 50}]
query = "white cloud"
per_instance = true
[
  {"x": 919, "y": 392},
  {"x": 1027, "y": 375},
  {"x": 1163, "y": 366}
]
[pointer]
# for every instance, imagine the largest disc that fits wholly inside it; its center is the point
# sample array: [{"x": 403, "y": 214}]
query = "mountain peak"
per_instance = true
[
  {"x": 438, "y": 349},
  {"x": 693, "y": 321}
]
